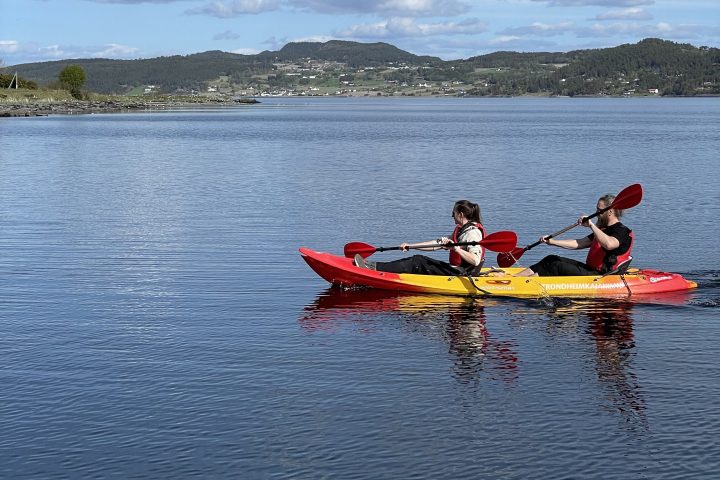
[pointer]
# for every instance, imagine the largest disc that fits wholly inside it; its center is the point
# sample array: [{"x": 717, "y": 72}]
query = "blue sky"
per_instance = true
[{"x": 42, "y": 30}]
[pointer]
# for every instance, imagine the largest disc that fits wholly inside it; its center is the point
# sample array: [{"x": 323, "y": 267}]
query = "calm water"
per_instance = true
[{"x": 156, "y": 320}]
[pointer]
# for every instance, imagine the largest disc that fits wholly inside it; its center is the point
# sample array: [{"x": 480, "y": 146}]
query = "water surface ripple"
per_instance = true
[{"x": 157, "y": 321}]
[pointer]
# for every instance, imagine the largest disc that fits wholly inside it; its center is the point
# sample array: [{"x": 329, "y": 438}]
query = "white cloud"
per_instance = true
[
  {"x": 412, "y": 8},
  {"x": 51, "y": 52},
  {"x": 423, "y": 7},
  {"x": 34, "y": 52},
  {"x": 15, "y": 52},
  {"x": 114, "y": 50},
  {"x": 539, "y": 29},
  {"x": 245, "y": 51},
  {"x": 516, "y": 44},
  {"x": 9, "y": 46},
  {"x": 408, "y": 27},
  {"x": 407, "y": 8},
  {"x": 608, "y": 30},
  {"x": 661, "y": 29},
  {"x": 134, "y": 2},
  {"x": 312, "y": 38},
  {"x": 367, "y": 30},
  {"x": 505, "y": 39},
  {"x": 596, "y": 3},
  {"x": 235, "y": 8},
  {"x": 633, "y": 13}
]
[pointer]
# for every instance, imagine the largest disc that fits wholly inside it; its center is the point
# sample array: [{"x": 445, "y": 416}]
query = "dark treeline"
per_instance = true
[
  {"x": 354, "y": 55},
  {"x": 674, "y": 69},
  {"x": 671, "y": 68},
  {"x": 176, "y": 73}
]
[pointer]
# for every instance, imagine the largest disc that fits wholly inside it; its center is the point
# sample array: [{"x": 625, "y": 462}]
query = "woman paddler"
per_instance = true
[{"x": 462, "y": 259}]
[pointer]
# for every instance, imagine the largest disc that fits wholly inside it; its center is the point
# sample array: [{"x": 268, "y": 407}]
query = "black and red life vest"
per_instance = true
[
  {"x": 606, "y": 261},
  {"x": 455, "y": 258}
]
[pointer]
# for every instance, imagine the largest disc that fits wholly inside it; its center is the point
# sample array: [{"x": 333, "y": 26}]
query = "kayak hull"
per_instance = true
[{"x": 342, "y": 271}]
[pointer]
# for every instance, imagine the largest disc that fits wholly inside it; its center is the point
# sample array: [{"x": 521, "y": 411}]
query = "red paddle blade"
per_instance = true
[
  {"x": 502, "y": 241},
  {"x": 359, "y": 248},
  {"x": 508, "y": 259},
  {"x": 628, "y": 198}
]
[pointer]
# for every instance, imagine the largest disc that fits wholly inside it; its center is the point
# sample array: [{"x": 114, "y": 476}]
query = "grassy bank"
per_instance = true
[
  {"x": 41, "y": 102},
  {"x": 23, "y": 95},
  {"x": 13, "y": 96}
]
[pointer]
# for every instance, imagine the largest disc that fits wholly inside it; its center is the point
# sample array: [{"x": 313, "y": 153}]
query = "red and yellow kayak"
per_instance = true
[{"x": 342, "y": 271}]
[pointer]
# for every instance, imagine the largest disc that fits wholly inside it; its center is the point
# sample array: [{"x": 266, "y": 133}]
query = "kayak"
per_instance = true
[{"x": 342, "y": 271}]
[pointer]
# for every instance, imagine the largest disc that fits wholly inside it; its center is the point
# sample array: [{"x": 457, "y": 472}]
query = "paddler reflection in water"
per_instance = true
[
  {"x": 475, "y": 349},
  {"x": 463, "y": 259},
  {"x": 611, "y": 326},
  {"x": 610, "y": 244}
]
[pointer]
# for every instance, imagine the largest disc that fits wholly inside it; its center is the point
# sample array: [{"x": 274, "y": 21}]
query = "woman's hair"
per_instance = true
[
  {"x": 469, "y": 209},
  {"x": 607, "y": 200}
]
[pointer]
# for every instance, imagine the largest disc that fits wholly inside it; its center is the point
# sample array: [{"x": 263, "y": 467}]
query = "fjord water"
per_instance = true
[{"x": 157, "y": 321}]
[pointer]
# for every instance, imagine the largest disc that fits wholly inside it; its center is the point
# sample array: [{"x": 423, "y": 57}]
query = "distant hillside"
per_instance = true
[
  {"x": 352, "y": 53},
  {"x": 195, "y": 71},
  {"x": 169, "y": 73},
  {"x": 673, "y": 68},
  {"x": 652, "y": 66}
]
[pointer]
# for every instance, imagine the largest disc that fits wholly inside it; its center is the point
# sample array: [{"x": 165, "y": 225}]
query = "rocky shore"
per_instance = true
[{"x": 78, "y": 107}]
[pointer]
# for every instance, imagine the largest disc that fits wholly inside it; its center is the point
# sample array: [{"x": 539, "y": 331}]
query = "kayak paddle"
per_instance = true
[
  {"x": 627, "y": 198},
  {"x": 503, "y": 241}
]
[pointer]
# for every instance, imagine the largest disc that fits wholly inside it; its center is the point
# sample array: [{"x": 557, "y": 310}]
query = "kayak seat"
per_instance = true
[{"x": 620, "y": 269}]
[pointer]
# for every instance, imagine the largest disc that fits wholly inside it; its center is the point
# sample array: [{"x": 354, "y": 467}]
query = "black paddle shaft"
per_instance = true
[
  {"x": 431, "y": 245},
  {"x": 569, "y": 227}
]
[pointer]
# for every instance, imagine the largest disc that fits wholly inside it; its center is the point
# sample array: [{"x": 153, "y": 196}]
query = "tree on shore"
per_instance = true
[{"x": 72, "y": 78}]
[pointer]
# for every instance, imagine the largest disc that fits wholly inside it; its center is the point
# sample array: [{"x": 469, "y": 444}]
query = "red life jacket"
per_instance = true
[
  {"x": 455, "y": 258},
  {"x": 606, "y": 261}
]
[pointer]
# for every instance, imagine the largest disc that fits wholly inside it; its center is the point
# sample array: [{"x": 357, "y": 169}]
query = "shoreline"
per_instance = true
[
  {"x": 44, "y": 108},
  {"x": 83, "y": 107}
]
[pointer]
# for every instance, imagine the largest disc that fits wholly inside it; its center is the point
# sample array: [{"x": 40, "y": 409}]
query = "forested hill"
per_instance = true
[
  {"x": 188, "y": 72},
  {"x": 679, "y": 69},
  {"x": 654, "y": 65},
  {"x": 355, "y": 55},
  {"x": 167, "y": 73}
]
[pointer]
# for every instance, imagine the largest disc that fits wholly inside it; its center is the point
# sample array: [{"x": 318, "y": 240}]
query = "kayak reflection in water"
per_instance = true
[
  {"x": 610, "y": 244},
  {"x": 476, "y": 355},
  {"x": 463, "y": 259},
  {"x": 474, "y": 348}
]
